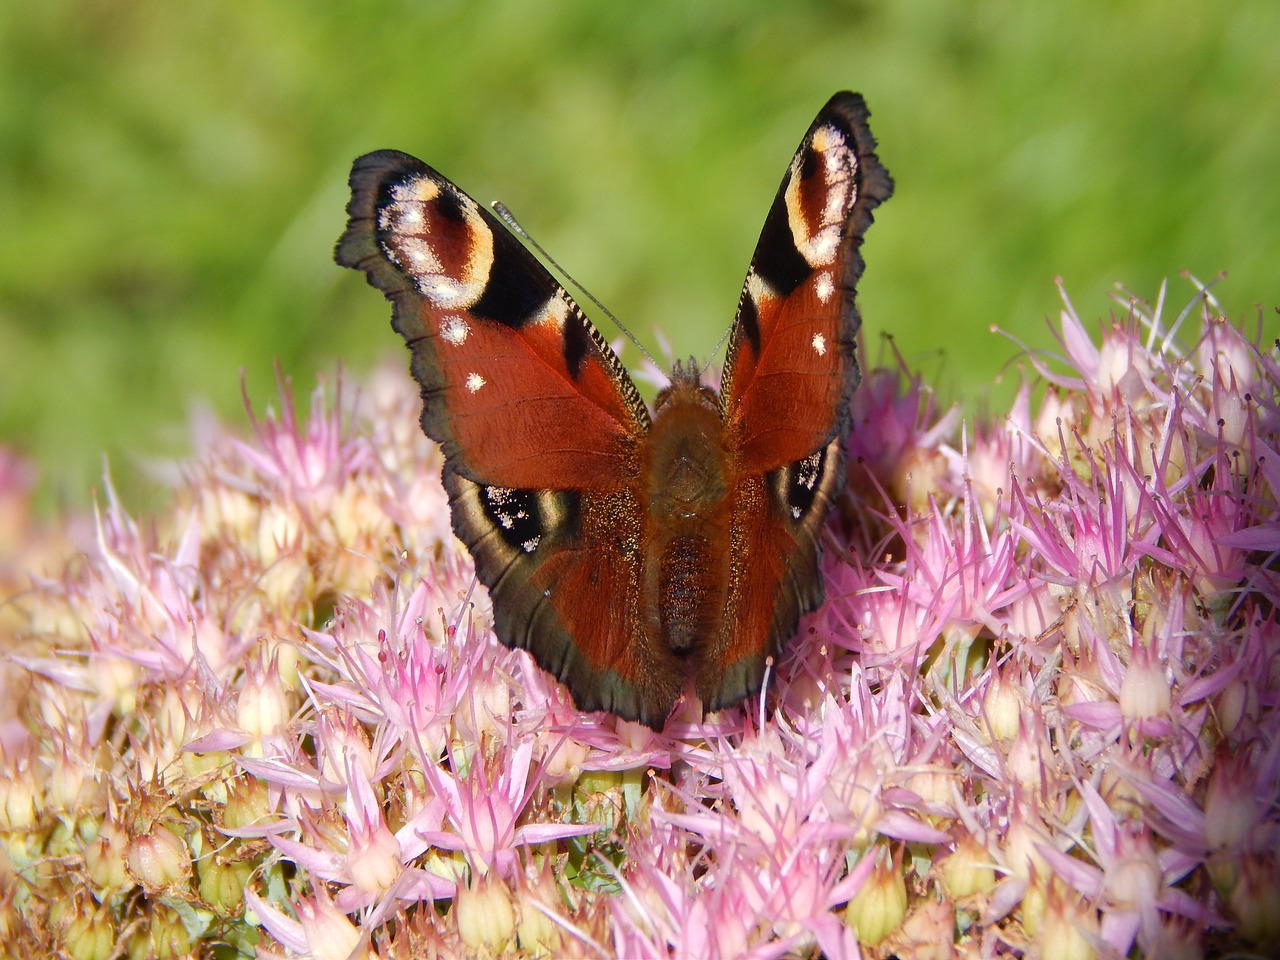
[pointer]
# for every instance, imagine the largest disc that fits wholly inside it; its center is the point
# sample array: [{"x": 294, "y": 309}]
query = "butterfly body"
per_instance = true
[
  {"x": 688, "y": 517},
  {"x": 631, "y": 551}
]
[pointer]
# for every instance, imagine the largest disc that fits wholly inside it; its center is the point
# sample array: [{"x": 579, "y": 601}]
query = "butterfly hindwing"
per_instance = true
[
  {"x": 564, "y": 577},
  {"x": 790, "y": 368}
]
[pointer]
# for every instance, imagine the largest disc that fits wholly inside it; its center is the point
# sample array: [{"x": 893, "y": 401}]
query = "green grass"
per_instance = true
[{"x": 172, "y": 177}]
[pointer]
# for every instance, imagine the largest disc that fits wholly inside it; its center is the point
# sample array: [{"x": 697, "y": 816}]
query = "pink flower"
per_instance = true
[
  {"x": 1041, "y": 700},
  {"x": 482, "y": 809},
  {"x": 1133, "y": 882}
]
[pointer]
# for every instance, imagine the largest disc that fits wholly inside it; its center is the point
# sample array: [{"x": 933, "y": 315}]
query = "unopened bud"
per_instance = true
[
  {"x": 968, "y": 870},
  {"x": 878, "y": 907},
  {"x": 485, "y": 916},
  {"x": 159, "y": 859}
]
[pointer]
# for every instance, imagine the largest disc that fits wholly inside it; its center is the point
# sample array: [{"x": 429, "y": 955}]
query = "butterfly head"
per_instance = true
[{"x": 686, "y": 387}]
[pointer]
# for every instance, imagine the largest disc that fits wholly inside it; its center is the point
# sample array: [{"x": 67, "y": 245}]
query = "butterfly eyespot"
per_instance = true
[
  {"x": 806, "y": 486},
  {"x": 633, "y": 552}
]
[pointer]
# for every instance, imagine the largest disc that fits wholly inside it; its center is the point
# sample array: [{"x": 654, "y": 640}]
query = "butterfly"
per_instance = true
[{"x": 632, "y": 551}]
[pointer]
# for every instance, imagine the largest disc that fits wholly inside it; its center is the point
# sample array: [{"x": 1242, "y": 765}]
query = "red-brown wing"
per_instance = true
[
  {"x": 777, "y": 520},
  {"x": 540, "y": 426},
  {"x": 791, "y": 363},
  {"x": 790, "y": 368},
  {"x": 518, "y": 387},
  {"x": 563, "y": 568}
]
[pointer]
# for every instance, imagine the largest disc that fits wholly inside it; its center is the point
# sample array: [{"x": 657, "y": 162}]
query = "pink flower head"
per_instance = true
[{"x": 483, "y": 807}]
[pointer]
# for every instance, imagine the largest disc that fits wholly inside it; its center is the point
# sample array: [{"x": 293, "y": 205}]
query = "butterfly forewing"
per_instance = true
[
  {"x": 791, "y": 362},
  {"x": 518, "y": 387}
]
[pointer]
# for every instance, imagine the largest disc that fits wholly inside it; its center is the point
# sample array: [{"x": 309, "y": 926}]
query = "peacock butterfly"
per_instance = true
[{"x": 626, "y": 550}]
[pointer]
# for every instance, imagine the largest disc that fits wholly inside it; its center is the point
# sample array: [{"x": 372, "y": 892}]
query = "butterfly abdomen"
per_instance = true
[{"x": 688, "y": 515}]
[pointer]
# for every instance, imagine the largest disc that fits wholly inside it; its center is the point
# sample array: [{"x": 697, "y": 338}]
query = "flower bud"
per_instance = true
[
  {"x": 485, "y": 917},
  {"x": 247, "y": 803},
  {"x": 18, "y": 799},
  {"x": 1230, "y": 811},
  {"x": 968, "y": 870},
  {"x": 75, "y": 786},
  {"x": 374, "y": 860},
  {"x": 263, "y": 708},
  {"x": 90, "y": 936},
  {"x": 1067, "y": 930},
  {"x": 1144, "y": 691},
  {"x": 1133, "y": 877},
  {"x": 1032, "y": 910},
  {"x": 1236, "y": 703},
  {"x": 330, "y": 935},
  {"x": 564, "y": 758},
  {"x": 1255, "y": 900},
  {"x": 221, "y": 885},
  {"x": 159, "y": 859},
  {"x": 537, "y": 933},
  {"x": 163, "y": 937},
  {"x": 1002, "y": 707},
  {"x": 878, "y": 907},
  {"x": 104, "y": 859}
]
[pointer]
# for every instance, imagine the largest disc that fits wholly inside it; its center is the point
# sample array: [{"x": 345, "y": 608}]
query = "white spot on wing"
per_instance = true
[
  {"x": 759, "y": 291},
  {"x": 823, "y": 287},
  {"x": 555, "y": 311},
  {"x": 807, "y": 474},
  {"x": 819, "y": 344},
  {"x": 475, "y": 382},
  {"x": 826, "y": 137},
  {"x": 504, "y": 505},
  {"x": 839, "y": 162},
  {"x": 454, "y": 330},
  {"x": 416, "y": 256},
  {"x": 402, "y": 218},
  {"x": 444, "y": 291}
]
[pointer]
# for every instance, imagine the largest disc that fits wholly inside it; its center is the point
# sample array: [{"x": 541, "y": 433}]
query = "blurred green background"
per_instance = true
[{"x": 172, "y": 178}]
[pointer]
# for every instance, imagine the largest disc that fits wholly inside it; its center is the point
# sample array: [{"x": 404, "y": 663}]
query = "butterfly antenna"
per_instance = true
[
  {"x": 714, "y": 353},
  {"x": 509, "y": 219}
]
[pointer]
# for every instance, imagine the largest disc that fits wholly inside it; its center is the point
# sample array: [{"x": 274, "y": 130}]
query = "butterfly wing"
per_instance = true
[
  {"x": 790, "y": 368},
  {"x": 540, "y": 426}
]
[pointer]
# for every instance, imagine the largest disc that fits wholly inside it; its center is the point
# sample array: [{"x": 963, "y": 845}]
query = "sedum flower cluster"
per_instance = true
[{"x": 1038, "y": 716}]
